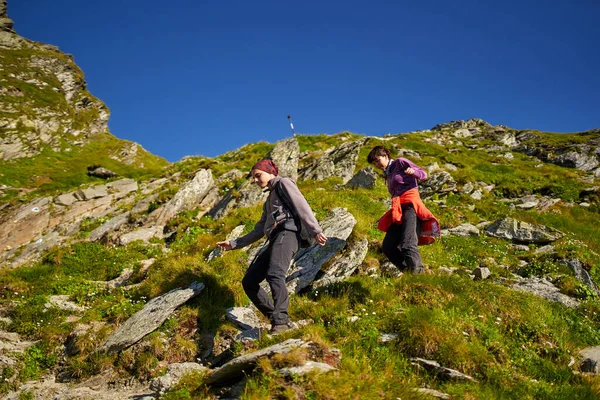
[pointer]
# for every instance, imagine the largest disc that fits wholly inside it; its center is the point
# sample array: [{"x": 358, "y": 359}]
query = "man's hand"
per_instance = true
[
  {"x": 321, "y": 239},
  {"x": 224, "y": 245},
  {"x": 409, "y": 171}
]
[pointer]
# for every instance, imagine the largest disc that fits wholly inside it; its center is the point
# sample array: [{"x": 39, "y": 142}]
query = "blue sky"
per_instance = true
[{"x": 188, "y": 77}]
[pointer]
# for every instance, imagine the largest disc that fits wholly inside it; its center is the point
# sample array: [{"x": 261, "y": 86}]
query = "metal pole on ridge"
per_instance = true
[{"x": 291, "y": 124}]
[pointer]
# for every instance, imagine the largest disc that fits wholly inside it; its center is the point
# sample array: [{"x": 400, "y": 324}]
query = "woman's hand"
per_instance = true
[
  {"x": 409, "y": 171},
  {"x": 224, "y": 245},
  {"x": 321, "y": 239}
]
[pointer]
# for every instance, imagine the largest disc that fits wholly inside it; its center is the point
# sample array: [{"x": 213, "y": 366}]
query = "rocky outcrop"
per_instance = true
[
  {"x": 461, "y": 230},
  {"x": 190, "y": 196},
  {"x": 590, "y": 360},
  {"x": 440, "y": 182},
  {"x": 460, "y": 124},
  {"x": 343, "y": 264},
  {"x": 365, "y": 178},
  {"x": 580, "y": 273},
  {"x": 444, "y": 372},
  {"x": 522, "y": 232},
  {"x": 174, "y": 374},
  {"x": 6, "y": 24},
  {"x": 337, "y": 227},
  {"x": 286, "y": 154},
  {"x": 339, "y": 161},
  {"x": 145, "y": 321}
]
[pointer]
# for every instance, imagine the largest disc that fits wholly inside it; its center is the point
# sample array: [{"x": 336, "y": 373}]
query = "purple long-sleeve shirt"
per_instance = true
[{"x": 399, "y": 181}]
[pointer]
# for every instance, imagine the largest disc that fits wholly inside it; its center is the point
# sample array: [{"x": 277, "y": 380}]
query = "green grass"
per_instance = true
[{"x": 514, "y": 344}]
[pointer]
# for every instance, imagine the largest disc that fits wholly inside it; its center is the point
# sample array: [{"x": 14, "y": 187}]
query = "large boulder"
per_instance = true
[
  {"x": 339, "y": 161},
  {"x": 190, "y": 196},
  {"x": 440, "y": 182},
  {"x": 286, "y": 154},
  {"x": 337, "y": 226},
  {"x": 541, "y": 287},
  {"x": 149, "y": 318},
  {"x": 247, "y": 195},
  {"x": 365, "y": 178},
  {"x": 344, "y": 263},
  {"x": 522, "y": 232}
]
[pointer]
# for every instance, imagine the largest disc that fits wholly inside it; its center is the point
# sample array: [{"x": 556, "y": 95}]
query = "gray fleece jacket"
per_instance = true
[{"x": 275, "y": 214}]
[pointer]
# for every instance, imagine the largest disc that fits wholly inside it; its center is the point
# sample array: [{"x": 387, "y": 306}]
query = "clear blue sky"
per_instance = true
[{"x": 194, "y": 77}]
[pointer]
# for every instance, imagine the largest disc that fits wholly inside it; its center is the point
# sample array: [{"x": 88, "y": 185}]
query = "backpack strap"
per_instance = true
[{"x": 283, "y": 196}]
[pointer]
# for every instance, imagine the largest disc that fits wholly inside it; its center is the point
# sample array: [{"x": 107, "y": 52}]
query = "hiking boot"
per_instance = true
[
  {"x": 276, "y": 329},
  {"x": 417, "y": 271}
]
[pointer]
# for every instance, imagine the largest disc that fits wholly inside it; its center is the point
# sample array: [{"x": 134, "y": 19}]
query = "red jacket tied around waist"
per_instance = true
[{"x": 429, "y": 225}]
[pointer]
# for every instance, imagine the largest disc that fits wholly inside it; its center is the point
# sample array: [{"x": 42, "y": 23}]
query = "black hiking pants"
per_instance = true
[
  {"x": 272, "y": 264},
  {"x": 400, "y": 244}
]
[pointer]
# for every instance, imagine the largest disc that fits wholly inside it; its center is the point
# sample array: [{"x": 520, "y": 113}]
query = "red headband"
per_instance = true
[{"x": 268, "y": 166}]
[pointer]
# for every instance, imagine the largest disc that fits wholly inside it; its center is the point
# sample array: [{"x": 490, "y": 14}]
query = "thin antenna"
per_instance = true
[{"x": 291, "y": 125}]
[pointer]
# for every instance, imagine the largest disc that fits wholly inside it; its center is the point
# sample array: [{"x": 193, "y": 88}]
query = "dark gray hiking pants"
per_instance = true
[
  {"x": 272, "y": 264},
  {"x": 400, "y": 242}
]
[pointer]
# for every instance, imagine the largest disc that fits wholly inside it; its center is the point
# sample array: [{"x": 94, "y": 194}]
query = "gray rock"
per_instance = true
[
  {"x": 111, "y": 225},
  {"x": 365, "y": 178},
  {"x": 476, "y": 195},
  {"x": 339, "y": 162},
  {"x": 118, "y": 281},
  {"x": 101, "y": 172},
  {"x": 590, "y": 359},
  {"x": 388, "y": 337},
  {"x": 481, "y": 273},
  {"x": 433, "y": 393},
  {"x": 286, "y": 154},
  {"x": 440, "y": 182},
  {"x": 187, "y": 198},
  {"x": 145, "y": 321},
  {"x": 244, "y": 317},
  {"x": 574, "y": 159},
  {"x": 143, "y": 234},
  {"x": 451, "y": 167},
  {"x": 524, "y": 232},
  {"x": 580, "y": 273},
  {"x": 94, "y": 192},
  {"x": 434, "y": 366},
  {"x": 520, "y": 247},
  {"x": 388, "y": 269},
  {"x": 344, "y": 264},
  {"x": 544, "y": 249},
  {"x": 174, "y": 374},
  {"x": 309, "y": 366},
  {"x": 62, "y": 302},
  {"x": 462, "y": 133},
  {"x": 6, "y": 24},
  {"x": 542, "y": 288},
  {"x": 248, "y": 195},
  {"x": 66, "y": 199},
  {"x": 122, "y": 187},
  {"x": 473, "y": 123},
  {"x": 234, "y": 234},
  {"x": 236, "y": 368},
  {"x": 337, "y": 227},
  {"x": 461, "y": 230},
  {"x": 467, "y": 188},
  {"x": 230, "y": 176}
]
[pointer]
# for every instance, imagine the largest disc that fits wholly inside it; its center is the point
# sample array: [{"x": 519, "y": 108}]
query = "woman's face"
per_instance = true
[
  {"x": 261, "y": 178},
  {"x": 381, "y": 162}
]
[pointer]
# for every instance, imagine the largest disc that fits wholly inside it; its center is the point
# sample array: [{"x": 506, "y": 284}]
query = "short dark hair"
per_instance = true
[{"x": 377, "y": 151}]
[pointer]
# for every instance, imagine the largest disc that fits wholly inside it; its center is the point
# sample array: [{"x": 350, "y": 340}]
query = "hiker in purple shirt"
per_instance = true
[
  {"x": 279, "y": 225},
  {"x": 400, "y": 244}
]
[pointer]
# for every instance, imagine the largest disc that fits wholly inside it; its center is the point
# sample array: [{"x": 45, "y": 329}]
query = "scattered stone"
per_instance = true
[
  {"x": 590, "y": 360},
  {"x": 544, "y": 249},
  {"x": 433, "y": 393},
  {"x": 524, "y": 232},
  {"x": 234, "y": 234},
  {"x": 388, "y": 337},
  {"x": 451, "y": 167},
  {"x": 520, "y": 247},
  {"x": 62, "y": 302},
  {"x": 434, "y": 366},
  {"x": 365, "y": 178},
  {"x": 244, "y": 317},
  {"x": 174, "y": 374},
  {"x": 543, "y": 288},
  {"x": 461, "y": 230},
  {"x": 309, "y": 366},
  {"x": 118, "y": 281},
  {"x": 476, "y": 195},
  {"x": 143, "y": 234},
  {"x": 145, "y": 321},
  {"x": 481, "y": 273},
  {"x": 580, "y": 273},
  {"x": 353, "y": 319},
  {"x": 387, "y": 269},
  {"x": 440, "y": 182},
  {"x": 236, "y": 368},
  {"x": 100, "y": 172},
  {"x": 467, "y": 188}
]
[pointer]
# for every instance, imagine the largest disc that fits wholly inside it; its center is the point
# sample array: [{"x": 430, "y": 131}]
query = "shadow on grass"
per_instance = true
[{"x": 355, "y": 292}]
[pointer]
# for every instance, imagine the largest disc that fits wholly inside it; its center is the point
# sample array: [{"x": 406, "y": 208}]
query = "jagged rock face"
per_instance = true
[
  {"x": 6, "y": 23},
  {"x": 584, "y": 156},
  {"x": 43, "y": 97},
  {"x": 339, "y": 161},
  {"x": 286, "y": 154}
]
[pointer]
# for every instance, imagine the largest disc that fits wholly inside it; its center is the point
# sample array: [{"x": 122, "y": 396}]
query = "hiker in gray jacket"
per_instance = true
[{"x": 280, "y": 227}]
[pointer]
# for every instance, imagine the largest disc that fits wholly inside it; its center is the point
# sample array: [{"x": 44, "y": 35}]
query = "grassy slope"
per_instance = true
[{"x": 515, "y": 345}]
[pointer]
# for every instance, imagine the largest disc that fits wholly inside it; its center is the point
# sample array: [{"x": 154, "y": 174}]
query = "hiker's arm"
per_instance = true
[
  {"x": 256, "y": 233},
  {"x": 415, "y": 170},
  {"x": 301, "y": 206}
]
